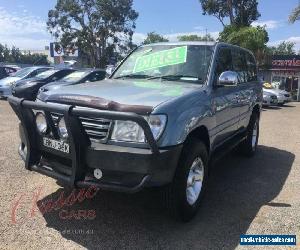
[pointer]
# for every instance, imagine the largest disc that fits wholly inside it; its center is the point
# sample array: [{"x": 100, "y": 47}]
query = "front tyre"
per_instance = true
[
  {"x": 183, "y": 196},
  {"x": 248, "y": 147}
]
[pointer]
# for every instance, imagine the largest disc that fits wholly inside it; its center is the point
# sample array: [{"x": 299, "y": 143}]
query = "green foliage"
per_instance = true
[
  {"x": 99, "y": 28},
  {"x": 153, "y": 37},
  {"x": 295, "y": 15},
  {"x": 239, "y": 12},
  {"x": 207, "y": 38},
  {"x": 14, "y": 55},
  {"x": 284, "y": 48},
  {"x": 252, "y": 38}
]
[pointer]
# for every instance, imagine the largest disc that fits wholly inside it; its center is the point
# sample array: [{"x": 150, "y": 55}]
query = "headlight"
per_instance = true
[
  {"x": 62, "y": 129},
  {"x": 131, "y": 132},
  {"x": 41, "y": 122}
]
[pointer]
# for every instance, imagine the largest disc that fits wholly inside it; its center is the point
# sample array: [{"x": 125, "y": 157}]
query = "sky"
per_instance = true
[{"x": 23, "y": 22}]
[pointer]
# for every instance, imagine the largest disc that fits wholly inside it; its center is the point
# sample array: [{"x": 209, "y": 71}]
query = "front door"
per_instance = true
[{"x": 225, "y": 99}]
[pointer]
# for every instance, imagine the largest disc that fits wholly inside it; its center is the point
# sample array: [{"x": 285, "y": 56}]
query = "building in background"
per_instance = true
[{"x": 284, "y": 73}]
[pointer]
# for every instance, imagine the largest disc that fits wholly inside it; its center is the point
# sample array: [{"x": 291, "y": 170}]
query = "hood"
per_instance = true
[
  {"x": 276, "y": 91},
  {"x": 27, "y": 81},
  {"x": 56, "y": 85},
  {"x": 139, "y": 96},
  {"x": 9, "y": 80}
]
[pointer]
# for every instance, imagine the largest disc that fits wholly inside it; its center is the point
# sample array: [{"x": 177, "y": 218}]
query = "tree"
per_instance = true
[
  {"x": 207, "y": 38},
  {"x": 252, "y": 38},
  {"x": 153, "y": 37},
  {"x": 97, "y": 27},
  {"x": 284, "y": 48},
  {"x": 295, "y": 15},
  {"x": 14, "y": 55},
  {"x": 239, "y": 12}
]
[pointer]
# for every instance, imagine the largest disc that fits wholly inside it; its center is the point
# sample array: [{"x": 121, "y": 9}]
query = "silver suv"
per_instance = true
[{"x": 165, "y": 114}]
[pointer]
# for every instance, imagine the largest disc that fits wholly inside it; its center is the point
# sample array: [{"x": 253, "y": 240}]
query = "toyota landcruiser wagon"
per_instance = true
[{"x": 164, "y": 115}]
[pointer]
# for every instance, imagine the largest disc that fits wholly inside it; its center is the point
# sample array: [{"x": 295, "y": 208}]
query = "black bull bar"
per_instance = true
[{"x": 76, "y": 139}]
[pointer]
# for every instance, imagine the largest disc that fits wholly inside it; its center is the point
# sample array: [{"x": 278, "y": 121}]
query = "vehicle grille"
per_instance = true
[
  {"x": 97, "y": 129},
  {"x": 273, "y": 97},
  {"x": 55, "y": 118}
]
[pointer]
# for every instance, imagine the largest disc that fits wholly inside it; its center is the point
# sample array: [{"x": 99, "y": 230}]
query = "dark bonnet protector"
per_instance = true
[{"x": 96, "y": 102}]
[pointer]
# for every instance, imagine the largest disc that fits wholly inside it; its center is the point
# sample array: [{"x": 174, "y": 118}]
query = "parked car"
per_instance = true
[
  {"x": 80, "y": 76},
  {"x": 29, "y": 88},
  {"x": 7, "y": 83},
  {"x": 153, "y": 123},
  {"x": 6, "y": 71},
  {"x": 269, "y": 99},
  {"x": 282, "y": 95}
]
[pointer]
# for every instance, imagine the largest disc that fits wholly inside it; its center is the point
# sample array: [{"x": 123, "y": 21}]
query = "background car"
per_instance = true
[
  {"x": 269, "y": 99},
  {"x": 6, "y": 71},
  {"x": 80, "y": 76},
  {"x": 7, "y": 83},
  {"x": 282, "y": 95},
  {"x": 29, "y": 88}
]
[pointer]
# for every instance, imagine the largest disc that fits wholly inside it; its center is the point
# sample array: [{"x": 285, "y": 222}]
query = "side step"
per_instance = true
[{"x": 226, "y": 148}]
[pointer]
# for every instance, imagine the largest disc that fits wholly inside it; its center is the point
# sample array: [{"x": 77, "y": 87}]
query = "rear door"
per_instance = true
[
  {"x": 225, "y": 98},
  {"x": 245, "y": 65}
]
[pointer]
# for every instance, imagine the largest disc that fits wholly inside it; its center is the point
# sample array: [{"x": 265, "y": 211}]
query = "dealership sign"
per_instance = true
[
  {"x": 56, "y": 49},
  {"x": 286, "y": 62}
]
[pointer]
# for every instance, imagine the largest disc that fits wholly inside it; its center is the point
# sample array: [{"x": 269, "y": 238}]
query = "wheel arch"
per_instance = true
[
  {"x": 256, "y": 110},
  {"x": 202, "y": 134}
]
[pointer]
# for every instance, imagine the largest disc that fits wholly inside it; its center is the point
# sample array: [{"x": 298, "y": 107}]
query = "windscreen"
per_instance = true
[
  {"x": 46, "y": 74},
  {"x": 190, "y": 62},
  {"x": 75, "y": 76},
  {"x": 22, "y": 72}
]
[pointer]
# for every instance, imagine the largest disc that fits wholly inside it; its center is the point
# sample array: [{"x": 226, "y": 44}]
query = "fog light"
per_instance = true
[
  {"x": 98, "y": 173},
  {"x": 62, "y": 129},
  {"x": 41, "y": 122}
]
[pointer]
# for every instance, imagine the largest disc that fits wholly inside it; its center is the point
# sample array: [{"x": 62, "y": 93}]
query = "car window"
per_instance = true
[
  {"x": 240, "y": 65},
  {"x": 252, "y": 68},
  {"x": 22, "y": 72},
  {"x": 186, "y": 63},
  {"x": 60, "y": 74},
  {"x": 38, "y": 71},
  {"x": 9, "y": 70},
  {"x": 224, "y": 62},
  {"x": 46, "y": 73},
  {"x": 75, "y": 76},
  {"x": 96, "y": 76}
]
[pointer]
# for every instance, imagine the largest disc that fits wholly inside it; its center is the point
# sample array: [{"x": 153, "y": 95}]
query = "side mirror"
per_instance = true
[{"x": 228, "y": 78}]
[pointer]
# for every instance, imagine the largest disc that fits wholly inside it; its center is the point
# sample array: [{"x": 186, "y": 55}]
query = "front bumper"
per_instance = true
[
  {"x": 126, "y": 169},
  {"x": 270, "y": 102}
]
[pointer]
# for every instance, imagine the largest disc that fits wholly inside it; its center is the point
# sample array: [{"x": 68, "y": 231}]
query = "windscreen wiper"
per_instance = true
[
  {"x": 133, "y": 76},
  {"x": 174, "y": 77}
]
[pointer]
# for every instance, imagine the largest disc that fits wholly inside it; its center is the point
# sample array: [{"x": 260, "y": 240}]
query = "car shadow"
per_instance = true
[
  {"x": 271, "y": 108},
  {"x": 288, "y": 106},
  {"x": 238, "y": 188}
]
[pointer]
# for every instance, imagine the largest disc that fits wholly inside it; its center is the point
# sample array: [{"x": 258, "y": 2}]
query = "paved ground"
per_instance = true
[{"x": 255, "y": 196}]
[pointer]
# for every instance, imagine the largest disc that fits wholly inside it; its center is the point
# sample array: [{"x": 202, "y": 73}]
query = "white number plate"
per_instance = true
[{"x": 57, "y": 145}]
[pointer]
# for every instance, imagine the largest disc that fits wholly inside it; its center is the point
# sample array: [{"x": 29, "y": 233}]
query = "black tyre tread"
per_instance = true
[{"x": 169, "y": 192}]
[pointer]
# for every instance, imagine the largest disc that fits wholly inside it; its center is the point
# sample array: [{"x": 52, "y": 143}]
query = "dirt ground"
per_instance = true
[{"x": 245, "y": 196}]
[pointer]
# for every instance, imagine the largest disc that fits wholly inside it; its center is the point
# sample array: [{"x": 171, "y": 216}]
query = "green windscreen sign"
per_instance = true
[{"x": 161, "y": 59}]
